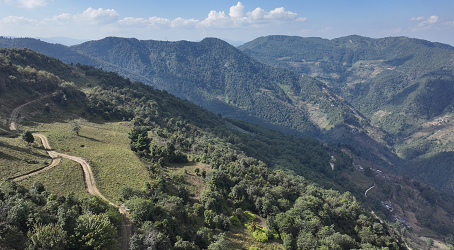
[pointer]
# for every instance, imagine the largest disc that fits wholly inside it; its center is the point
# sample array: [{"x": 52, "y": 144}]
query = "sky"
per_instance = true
[{"x": 244, "y": 21}]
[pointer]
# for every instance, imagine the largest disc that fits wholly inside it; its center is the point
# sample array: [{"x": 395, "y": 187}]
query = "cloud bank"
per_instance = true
[
  {"x": 236, "y": 18},
  {"x": 26, "y": 3},
  {"x": 108, "y": 19}
]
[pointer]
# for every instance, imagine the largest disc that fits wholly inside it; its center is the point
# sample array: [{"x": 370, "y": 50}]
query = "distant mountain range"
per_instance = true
[
  {"x": 61, "y": 40},
  {"x": 382, "y": 96},
  {"x": 403, "y": 85}
]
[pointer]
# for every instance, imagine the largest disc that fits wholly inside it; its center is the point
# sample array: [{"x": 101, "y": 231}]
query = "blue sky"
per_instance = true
[{"x": 238, "y": 21}]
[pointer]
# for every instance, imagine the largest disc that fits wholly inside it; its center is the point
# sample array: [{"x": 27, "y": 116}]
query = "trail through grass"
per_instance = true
[{"x": 106, "y": 148}]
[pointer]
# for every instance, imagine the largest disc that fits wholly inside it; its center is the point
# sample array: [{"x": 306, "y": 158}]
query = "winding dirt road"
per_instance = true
[
  {"x": 15, "y": 114},
  {"x": 126, "y": 228},
  {"x": 88, "y": 173}
]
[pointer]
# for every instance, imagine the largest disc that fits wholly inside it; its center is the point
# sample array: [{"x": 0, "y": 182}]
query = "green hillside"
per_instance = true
[
  {"x": 221, "y": 78},
  {"x": 201, "y": 182},
  {"x": 217, "y": 76},
  {"x": 403, "y": 85}
]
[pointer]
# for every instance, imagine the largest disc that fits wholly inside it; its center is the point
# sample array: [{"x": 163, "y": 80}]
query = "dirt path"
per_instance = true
[
  {"x": 15, "y": 113},
  {"x": 55, "y": 162},
  {"x": 126, "y": 227},
  {"x": 365, "y": 193}
]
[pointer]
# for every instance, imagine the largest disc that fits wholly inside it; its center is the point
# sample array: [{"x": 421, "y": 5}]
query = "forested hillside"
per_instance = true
[
  {"x": 217, "y": 76},
  {"x": 170, "y": 211},
  {"x": 221, "y": 78},
  {"x": 402, "y": 85}
]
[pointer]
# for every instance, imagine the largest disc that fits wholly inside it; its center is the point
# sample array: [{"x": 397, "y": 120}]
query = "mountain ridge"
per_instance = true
[{"x": 402, "y": 85}]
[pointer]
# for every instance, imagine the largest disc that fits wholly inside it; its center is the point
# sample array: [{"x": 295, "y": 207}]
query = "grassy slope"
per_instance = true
[
  {"x": 60, "y": 180},
  {"x": 113, "y": 164},
  {"x": 15, "y": 153}
]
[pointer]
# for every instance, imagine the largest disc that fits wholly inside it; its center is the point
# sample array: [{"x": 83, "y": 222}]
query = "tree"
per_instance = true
[
  {"x": 449, "y": 239},
  {"x": 429, "y": 242},
  {"x": 94, "y": 231},
  {"x": 285, "y": 224},
  {"x": 221, "y": 243},
  {"x": 141, "y": 209},
  {"x": 139, "y": 141},
  {"x": 27, "y": 136},
  {"x": 184, "y": 245},
  {"x": 46, "y": 108},
  {"x": 289, "y": 242},
  {"x": 48, "y": 236},
  {"x": 75, "y": 126}
]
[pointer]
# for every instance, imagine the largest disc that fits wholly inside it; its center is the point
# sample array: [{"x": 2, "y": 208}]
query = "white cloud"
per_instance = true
[
  {"x": 236, "y": 11},
  {"x": 89, "y": 16},
  {"x": 26, "y": 3},
  {"x": 256, "y": 14},
  {"x": 432, "y": 23},
  {"x": 281, "y": 14},
  {"x": 218, "y": 19},
  {"x": 17, "y": 20},
  {"x": 417, "y": 18},
  {"x": 62, "y": 18},
  {"x": 106, "y": 21},
  {"x": 429, "y": 22},
  {"x": 157, "y": 22},
  {"x": 187, "y": 23},
  {"x": 99, "y": 16}
]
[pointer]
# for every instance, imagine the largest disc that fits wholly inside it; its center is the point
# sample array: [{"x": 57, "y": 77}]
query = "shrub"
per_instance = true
[
  {"x": 222, "y": 222},
  {"x": 260, "y": 235},
  {"x": 235, "y": 221},
  {"x": 249, "y": 216}
]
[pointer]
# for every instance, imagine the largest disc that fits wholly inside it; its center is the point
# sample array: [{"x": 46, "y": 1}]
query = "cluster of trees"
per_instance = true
[
  {"x": 29, "y": 78},
  {"x": 299, "y": 214},
  {"x": 36, "y": 219}
]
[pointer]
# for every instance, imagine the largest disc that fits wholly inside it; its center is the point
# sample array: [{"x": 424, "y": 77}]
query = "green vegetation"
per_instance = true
[
  {"x": 402, "y": 85},
  {"x": 27, "y": 137},
  {"x": 17, "y": 158},
  {"x": 37, "y": 219},
  {"x": 246, "y": 173},
  {"x": 62, "y": 180}
]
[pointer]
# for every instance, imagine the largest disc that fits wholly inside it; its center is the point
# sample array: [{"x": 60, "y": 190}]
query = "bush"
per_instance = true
[
  {"x": 260, "y": 235},
  {"x": 249, "y": 216},
  {"x": 222, "y": 222},
  {"x": 235, "y": 221}
]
